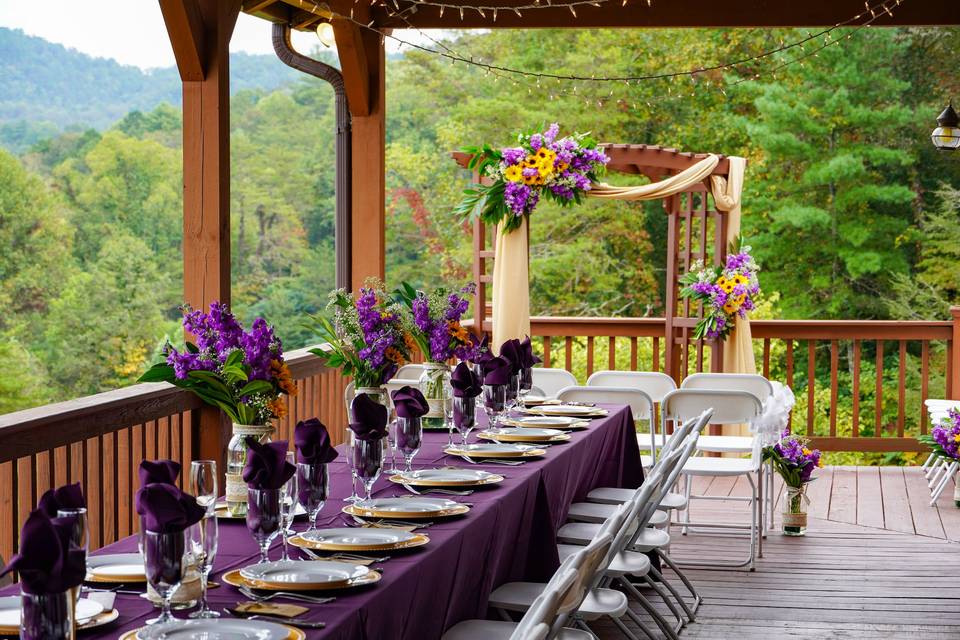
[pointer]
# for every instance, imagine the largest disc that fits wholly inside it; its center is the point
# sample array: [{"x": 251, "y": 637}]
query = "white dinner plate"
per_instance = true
[
  {"x": 407, "y": 505},
  {"x": 358, "y": 536},
  {"x": 548, "y": 422},
  {"x": 533, "y": 432},
  {"x": 116, "y": 566},
  {"x": 304, "y": 572},
  {"x": 10, "y": 611},
  {"x": 568, "y": 410},
  {"x": 448, "y": 476},
  {"x": 223, "y": 629},
  {"x": 496, "y": 448}
]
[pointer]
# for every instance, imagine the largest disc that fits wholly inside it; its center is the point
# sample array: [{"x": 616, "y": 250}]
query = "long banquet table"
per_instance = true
[{"x": 509, "y": 534}]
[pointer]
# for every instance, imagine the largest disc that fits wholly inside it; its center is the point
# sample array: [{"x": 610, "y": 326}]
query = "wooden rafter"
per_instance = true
[
  {"x": 352, "y": 50},
  {"x": 185, "y": 28}
]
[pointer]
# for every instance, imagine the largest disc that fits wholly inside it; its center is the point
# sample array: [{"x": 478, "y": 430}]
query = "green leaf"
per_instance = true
[
  {"x": 255, "y": 387},
  {"x": 160, "y": 372}
]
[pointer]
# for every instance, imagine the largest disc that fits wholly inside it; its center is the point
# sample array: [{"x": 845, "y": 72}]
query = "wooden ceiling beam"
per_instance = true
[
  {"x": 667, "y": 13},
  {"x": 185, "y": 28},
  {"x": 352, "y": 50}
]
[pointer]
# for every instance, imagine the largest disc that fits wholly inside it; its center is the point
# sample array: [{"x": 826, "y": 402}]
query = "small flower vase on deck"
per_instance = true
[
  {"x": 236, "y": 459},
  {"x": 795, "y": 511},
  {"x": 436, "y": 389}
]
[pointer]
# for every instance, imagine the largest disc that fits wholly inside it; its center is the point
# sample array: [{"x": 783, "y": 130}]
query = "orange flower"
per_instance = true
[
  {"x": 283, "y": 376},
  {"x": 394, "y": 356},
  {"x": 408, "y": 340},
  {"x": 278, "y": 407},
  {"x": 458, "y": 331}
]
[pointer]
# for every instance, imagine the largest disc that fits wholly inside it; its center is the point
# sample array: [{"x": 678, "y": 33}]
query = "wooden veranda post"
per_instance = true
[{"x": 200, "y": 33}]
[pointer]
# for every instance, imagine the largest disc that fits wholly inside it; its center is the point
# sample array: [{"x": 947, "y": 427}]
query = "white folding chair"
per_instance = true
[
  {"x": 409, "y": 372},
  {"x": 729, "y": 407},
  {"x": 656, "y": 385},
  {"x": 551, "y": 381},
  {"x": 751, "y": 383}
]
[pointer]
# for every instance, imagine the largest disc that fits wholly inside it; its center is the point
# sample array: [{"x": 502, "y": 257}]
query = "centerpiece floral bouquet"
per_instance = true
[
  {"x": 366, "y": 337},
  {"x": 241, "y": 372},
  {"x": 434, "y": 324},
  {"x": 725, "y": 291},
  {"x": 561, "y": 170},
  {"x": 944, "y": 438},
  {"x": 795, "y": 461}
]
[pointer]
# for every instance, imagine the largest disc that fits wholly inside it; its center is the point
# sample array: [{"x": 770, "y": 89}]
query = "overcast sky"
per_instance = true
[{"x": 129, "y": 31}]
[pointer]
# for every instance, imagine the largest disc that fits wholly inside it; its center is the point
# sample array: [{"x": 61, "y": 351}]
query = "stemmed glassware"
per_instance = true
[
  {"x": 494, "y": 402},
  {"x": 204, "y": 539},
  {"x": 80, "y": 533},
  {"x": 165, "y": 559},
  {"x": 205, "y": 534},
  {"x": 263, "y": 517},
  {"x": 526, "y": 384},
  {"x": 313, "y": 488},
  {"x": 367, "y": 459},
  {"x": 288, "y": 505},
  {"x": 465, "y": 416},
  {"x": 448, "y": 418},
  {"x": 409, "y": 439},
  {"x": 392, "y": 442},
  {"x": 512, "y": 394}
]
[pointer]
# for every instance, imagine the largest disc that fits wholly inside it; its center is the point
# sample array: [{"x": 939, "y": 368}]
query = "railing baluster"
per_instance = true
[
  {"x": 8, "y": 489},
  {"x": 834, "y": 373},
  {"x": 766, "y": 357},
  {"x": 546, "y": 351},
  {"x": 568, "y": 353},
  {"x": 790, "y": 378},
  {"x": 612, "y": 353},
  {"x": 878, "y": 408},
  {"x": 924, "y": 383},
  {"x": 94, "y": 472},
  {"x": 633, "y": 353},
  {"x": 163, "y": 438},
  {"x": 856, "y": 389},
  {"x": 124, "y": 493},
  {"x": 811, "y": 381},
  {"x": 108, "y": 464},
  {"x": 589, "y": 355},
  {"x": 656, "y": 354},
  {"x": 902, "y": 379}
]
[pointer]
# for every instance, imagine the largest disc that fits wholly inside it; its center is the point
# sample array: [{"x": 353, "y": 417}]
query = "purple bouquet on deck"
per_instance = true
[
  {"x": 561, "y": 170},
  {"x": 793, "y": 459},
  {"x": 944, "y": 439},
  {"x": 725, "y": 291},
  {"x": 241, "y": 372},
  {"x": 434, "y": 322},
  {"x": 366, "y": 338}
]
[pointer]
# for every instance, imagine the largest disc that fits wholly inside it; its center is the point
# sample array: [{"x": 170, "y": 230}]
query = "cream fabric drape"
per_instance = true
[
  {"x": 511, "y": 286},
  {"x": 661, "y": 189}
]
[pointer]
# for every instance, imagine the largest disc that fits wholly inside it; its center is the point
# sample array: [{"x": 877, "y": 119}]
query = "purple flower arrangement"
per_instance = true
[
  {"x": 241, "y": 372},
  {"x": 945, "y": 437},
  {"x": 541, "y": 165},
  {"x": 366, "y": 338},
  {"x": 434, "y": 322},
  {"x": 725, "y": 292},
  {"x": 793, "y": 459}
]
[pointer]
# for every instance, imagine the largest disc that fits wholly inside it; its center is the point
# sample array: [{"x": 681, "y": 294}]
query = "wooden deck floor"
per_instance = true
[{"x": 877, "y": 562}]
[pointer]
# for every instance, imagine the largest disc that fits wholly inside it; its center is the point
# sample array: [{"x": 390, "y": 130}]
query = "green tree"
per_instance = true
[
  {"x": 830, "y": 193},
  {"x": 24, "y": 381}
]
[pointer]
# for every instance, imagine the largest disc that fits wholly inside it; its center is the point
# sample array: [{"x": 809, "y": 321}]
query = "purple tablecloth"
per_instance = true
[{"x": 509, "y": 534}]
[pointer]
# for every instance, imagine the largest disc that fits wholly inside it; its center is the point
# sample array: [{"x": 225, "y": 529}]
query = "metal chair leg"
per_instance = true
[
  {"x": 697, "y": 598},
  {"x": 676, "y": 594},
  {"x": 667, "y": 629}
]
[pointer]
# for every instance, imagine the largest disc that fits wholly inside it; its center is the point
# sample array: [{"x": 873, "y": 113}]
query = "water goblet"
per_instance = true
[
  {"x": 392, "y": 443},
  {"x": 313, "y": 487},
  {"x": 353, "y": 497},
  {"x": 512, "y": 394},
  {"x": 409, "y": 439},
  {"x": 263, "y": 517},
  {"x": 80, "y": 534},
  {"x": 526, "y": 384},
  {"x": 203, "y": 483},
  {"x": 204, "y": 539},
  {"x": 288, "y": 506},
  {"x": 165, "y": 559},
  {"x": 367, "y": 457},
  {"x": 494, "y": 401},
  {"x": 465, "y": 417},
  {"x": 46, "y": 616}
]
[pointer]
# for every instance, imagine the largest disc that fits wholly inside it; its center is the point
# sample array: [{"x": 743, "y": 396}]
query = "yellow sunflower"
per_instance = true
[{"x": 513, "y": 173}]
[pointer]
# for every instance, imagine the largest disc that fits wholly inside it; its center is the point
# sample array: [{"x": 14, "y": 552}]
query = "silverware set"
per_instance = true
[
  {"x": 387, "y": 523},
  {"x": 296, "y": 622},
  {"x": 448, "y": 492},
  {"x": 287, "y": 595},
  {"x": 511, "y": 463},
  {"x": 346, "y": 557}
]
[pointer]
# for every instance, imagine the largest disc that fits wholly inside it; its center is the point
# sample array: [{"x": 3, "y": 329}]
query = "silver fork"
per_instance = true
[
  {"x": 296, "y": 622},
  {"x": 343, "y": 556},
  {"x": 286, "y": 595},
  {"x": 405, "y": 523},
  {"x": 511, "y": 463},
  {"x": 449, "y": 492}
]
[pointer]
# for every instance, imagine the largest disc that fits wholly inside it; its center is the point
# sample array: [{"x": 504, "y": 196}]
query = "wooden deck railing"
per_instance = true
[
  {"x": 100, "y": 440},
  {"x": 860, "y": 385}
]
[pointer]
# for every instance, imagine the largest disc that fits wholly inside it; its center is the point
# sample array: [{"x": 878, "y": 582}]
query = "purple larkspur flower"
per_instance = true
[
  {"x": 536, "y": 141},
  {"x": 551, "y": 133},
  {"x": 513, "y": 155}
]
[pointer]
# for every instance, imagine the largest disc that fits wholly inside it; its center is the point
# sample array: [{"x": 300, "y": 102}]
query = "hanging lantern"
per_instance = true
[
  {"x": 946, "y": 137},
  {"x": 325, "y": 33}
]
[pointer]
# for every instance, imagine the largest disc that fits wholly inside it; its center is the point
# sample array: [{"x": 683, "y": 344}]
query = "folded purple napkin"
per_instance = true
[
  {"x": 153, "y": 471},
  {"x": 483, "y": 351},
  {"x": 527, "y": 357},
  {"x": 69, "y": 496},
  {"x": 497, "y": 371},
  {"x": 267, "y": 466},
  {"x": 369, "y": 418},
  {"x": 465, "y": 382},
  {"x": 409, "y": 402},
  {"x": 313, "y": 442},
  {"x": 166, "y": 509},
  {"x": 510, "y": 351},
  {"x": 48, "y": 562}
]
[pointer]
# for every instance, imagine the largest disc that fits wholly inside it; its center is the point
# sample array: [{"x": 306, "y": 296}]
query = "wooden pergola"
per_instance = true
[{"x": 200, "y": 32}]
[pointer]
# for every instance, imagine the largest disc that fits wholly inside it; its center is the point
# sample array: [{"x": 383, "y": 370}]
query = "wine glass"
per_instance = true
[
  {"x": 288, "y": 505},
  {"x": 203, "y": 483},
  {"x": 313, "y": 487},
  {"x": 80, "y": 534},
  {"x": 409, "y": 439},
  {"x": 448, "y": 418},
  {"x": 464, "y": 416},
  {"x": 263, "y": 517},
  {"x": 512, "y": 393},
  {"x": 494, "y": 401},
  {"x": 367, "y": 457},
  {"x": 526, "y": 384},
  {"x": 392, "y": 442},
  {"x": 204, "y": 537},
  {"x": 165, "y": 559}
]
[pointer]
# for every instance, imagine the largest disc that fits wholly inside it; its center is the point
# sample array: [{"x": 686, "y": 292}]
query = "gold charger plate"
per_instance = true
[
  {"x": 529, "y": 453},
  {"x": 234, "y": 578},
  {"x": 99, "y": 620},
  {"x": 295, "y": 634},
  {"x": 354, "y": 510},
  {"x": 512, "y": 437},
  {"x": 492, "y": 478},
  {"x": 418, "y": 540},
  {"x": 559, "y": 423},
  {"x": 546, "y": 411}
]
